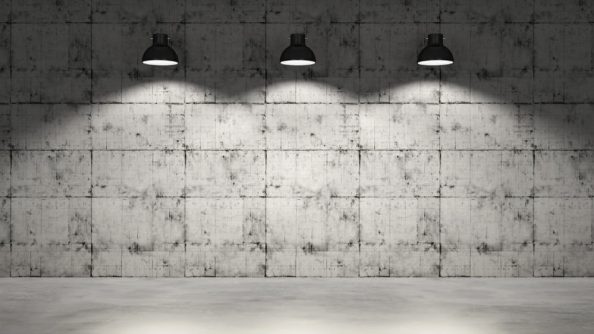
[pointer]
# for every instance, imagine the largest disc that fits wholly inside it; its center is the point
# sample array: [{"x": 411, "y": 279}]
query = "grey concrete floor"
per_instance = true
[{"x": 291, "y": 306}]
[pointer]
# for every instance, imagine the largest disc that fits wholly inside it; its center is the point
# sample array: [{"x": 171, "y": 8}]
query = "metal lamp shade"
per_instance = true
[
  {"x": 160, "y": 53},
  {"x": 297, "y": 54},
  {"x": 435, "y": 53}
]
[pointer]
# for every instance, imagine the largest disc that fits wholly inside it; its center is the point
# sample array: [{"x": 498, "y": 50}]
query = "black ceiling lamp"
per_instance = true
[
  {"x": 297, "y": 54},
  {"x": 435, "y": 53},
  {"x": 160, "y": 53}
]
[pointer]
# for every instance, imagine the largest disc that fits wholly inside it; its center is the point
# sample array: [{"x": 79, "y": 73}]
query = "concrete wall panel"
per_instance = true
[{"x": 231, "y": 164}]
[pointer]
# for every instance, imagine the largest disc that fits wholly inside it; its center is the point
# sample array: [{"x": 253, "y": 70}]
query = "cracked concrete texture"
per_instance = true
[{"x": 233, "y": 165}]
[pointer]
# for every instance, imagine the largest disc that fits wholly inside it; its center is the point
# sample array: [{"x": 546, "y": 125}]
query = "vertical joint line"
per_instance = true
[
  {"x": 358, "y": 193},
  {"x": 265, "y": 213},
  {"x": 185, "y": 199},
  {"x": 185, "y": 146},
  {"x": 533, "y": 20},
  {"x": 439, "y": 216},
  {"x": 10, "y": 231},
  {"x": 265, "y": 139},
  {"x": 91, "y": 208},
  {"x": 439, "y": 272}
]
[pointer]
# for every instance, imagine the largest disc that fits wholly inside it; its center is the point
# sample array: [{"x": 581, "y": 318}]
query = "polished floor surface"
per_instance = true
[{"x": 291, "y": 306}]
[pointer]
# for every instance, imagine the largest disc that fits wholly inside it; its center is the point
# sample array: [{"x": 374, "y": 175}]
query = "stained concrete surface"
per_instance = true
[
  {"x": 304, "y": 306},
  {"x": 231, "y": 164}
]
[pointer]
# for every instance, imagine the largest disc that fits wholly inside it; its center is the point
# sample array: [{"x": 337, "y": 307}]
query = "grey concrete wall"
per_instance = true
[{"x": 230, "y": 164}]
